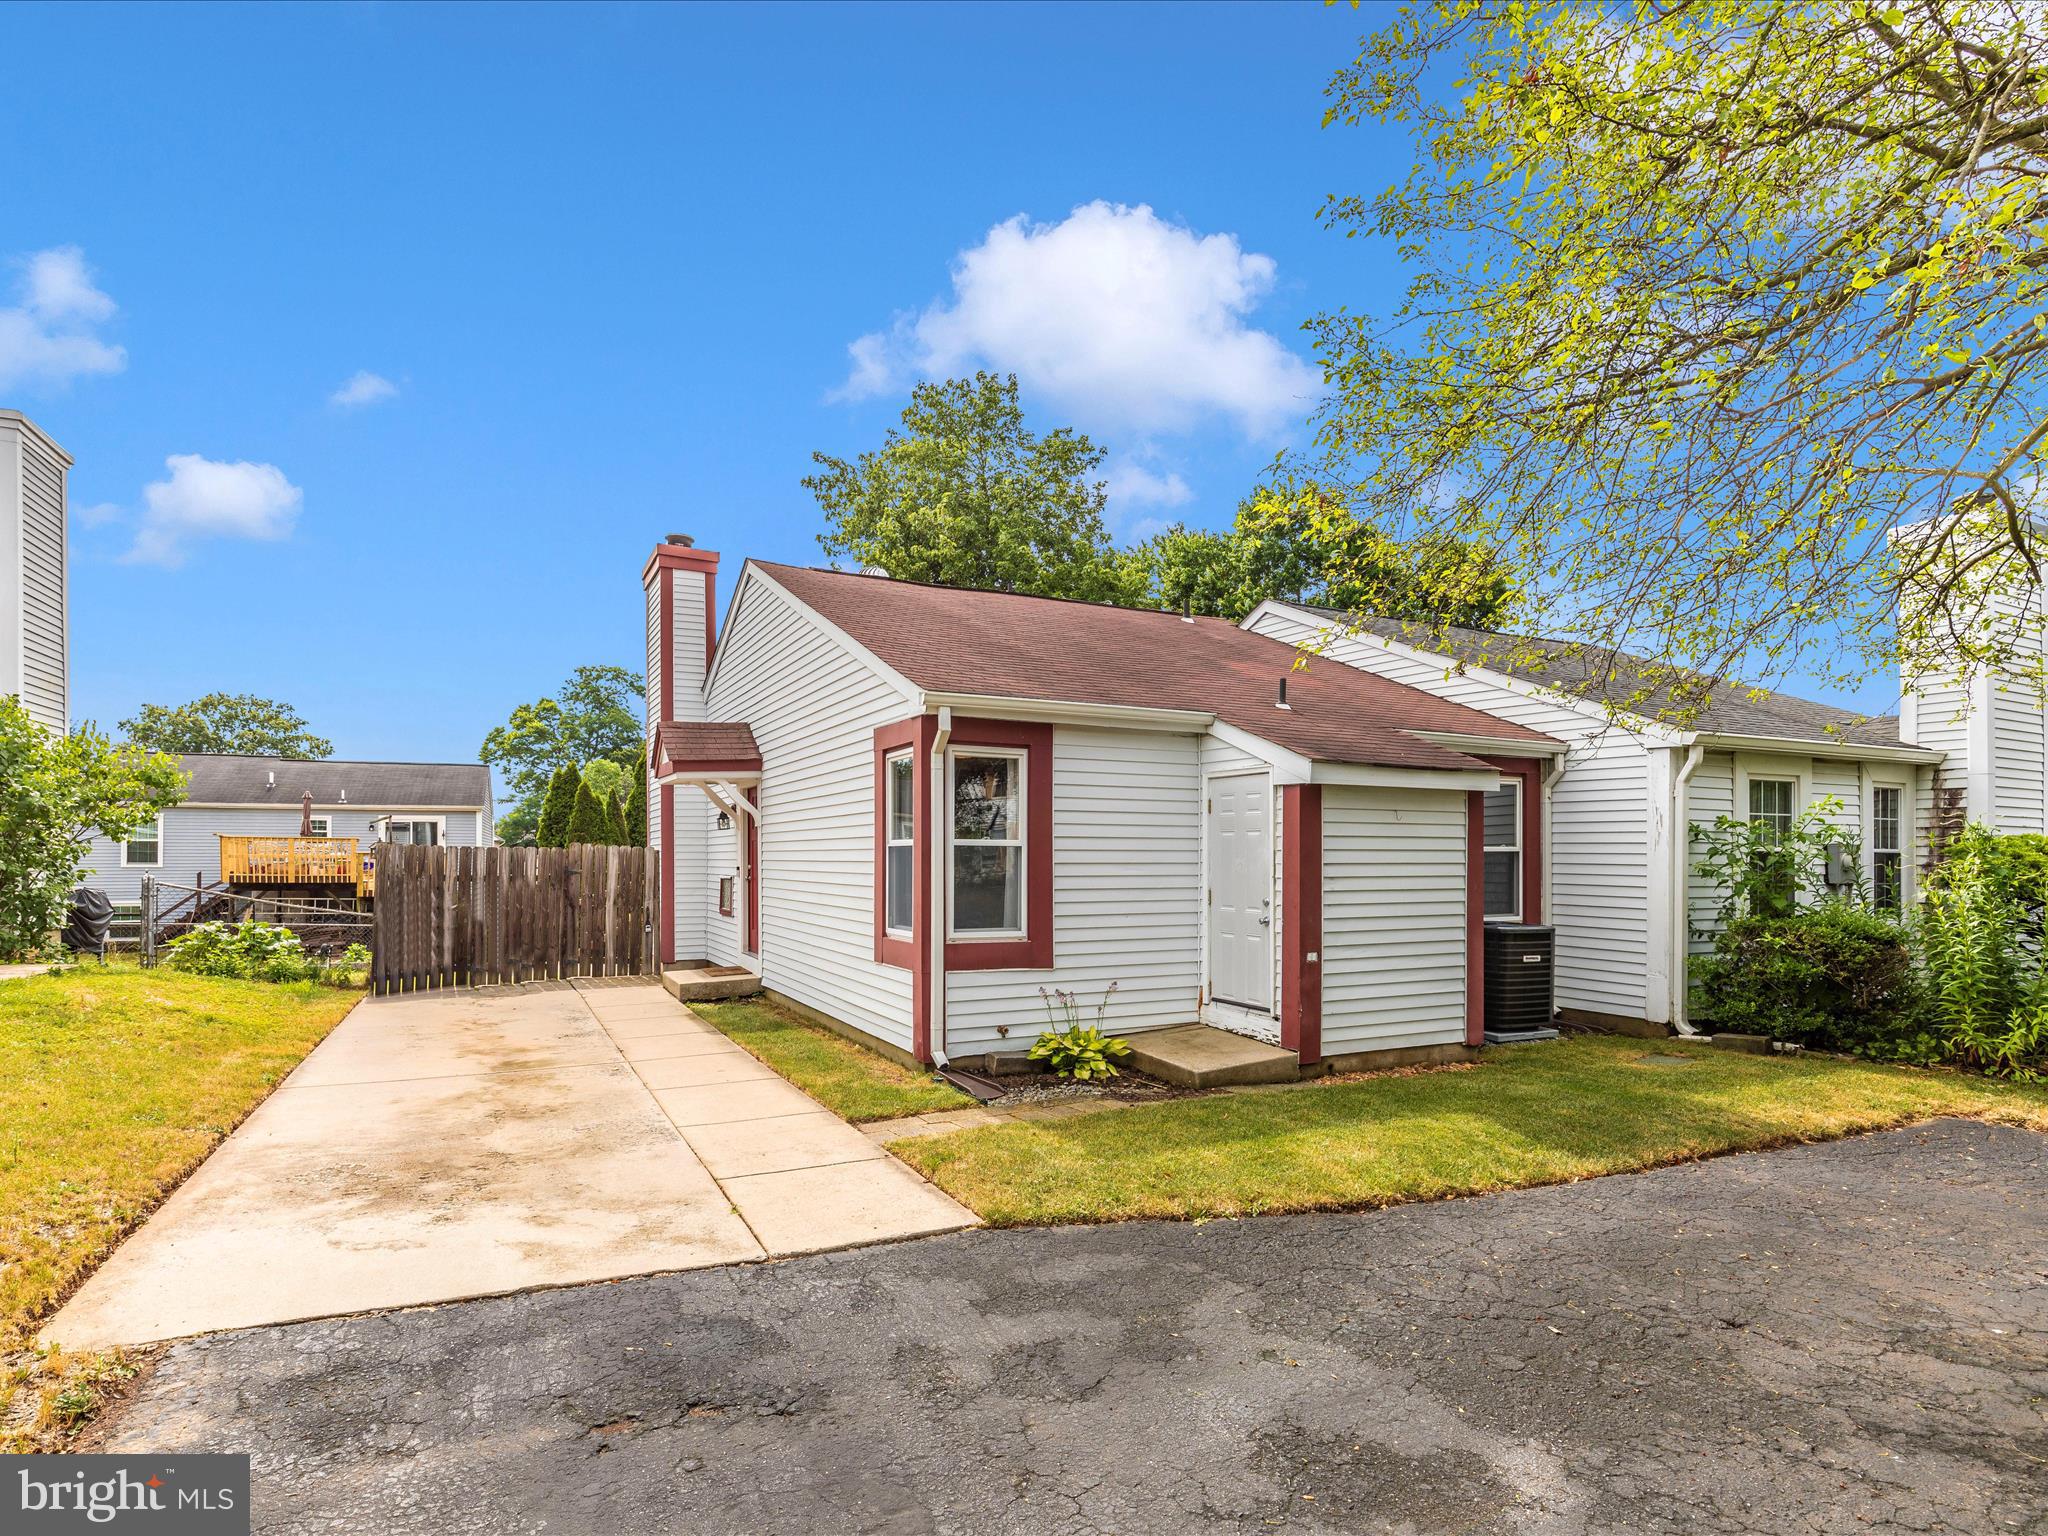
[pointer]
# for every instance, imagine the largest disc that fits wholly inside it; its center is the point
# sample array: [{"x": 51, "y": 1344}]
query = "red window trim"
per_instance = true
[
  {"x": 725, "y": 884},
  {"x": 914, "y": 736},
  {"x": 1033, "y": 950}
]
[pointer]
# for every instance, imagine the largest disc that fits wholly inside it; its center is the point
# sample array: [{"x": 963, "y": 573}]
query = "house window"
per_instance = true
[
  {"x": 1502, "y": 820},
  {"x": 145, "y": 847},
  {"x": 897, "y": 853},
  {"x": 725, "y": 895},
  {"x": 988, "y": 842},
  {"x": 425, "y": 831},
  {"x": 1773, "y": 803},
  {"x": 320, "y": 824},
  {"x": 1887, "y": 848}
]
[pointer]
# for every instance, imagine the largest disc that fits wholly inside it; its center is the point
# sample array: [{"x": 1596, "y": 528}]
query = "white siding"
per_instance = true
[
  {"x": 2016, "y": 754},
  {"x": 191, "y": 841},
  {"x": 686, "y": 663},
  {"x": 814, "y": 710},
  {"x": 1600, "y": 830},
  {"x": 1127, "y": 894},
  {"x": 1394, "y": 938},
  {"x": 44, "y": 657}
]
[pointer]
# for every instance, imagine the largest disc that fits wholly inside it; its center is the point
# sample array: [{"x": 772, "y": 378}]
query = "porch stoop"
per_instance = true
[
  {"x": 1202, "y": 1056},
  {"x": 709, "y": 983}
]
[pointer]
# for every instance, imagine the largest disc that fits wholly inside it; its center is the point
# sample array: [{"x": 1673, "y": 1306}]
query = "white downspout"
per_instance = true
[
  {"x": 1551, "y": 774},
  {"x": 940, "y": 915},
  {"x": 1681, "y": 843}
]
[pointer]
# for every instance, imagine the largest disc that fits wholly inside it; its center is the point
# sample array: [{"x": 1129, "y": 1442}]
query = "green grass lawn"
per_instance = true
[
  {"x": 847, "y": 1079},
  {"x": 114, "y": 1085},
  {"x": 1531, "y": 1114}
]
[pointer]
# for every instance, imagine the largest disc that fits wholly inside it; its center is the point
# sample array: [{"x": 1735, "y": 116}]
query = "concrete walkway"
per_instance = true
[{"x": 456, "y": 1145}]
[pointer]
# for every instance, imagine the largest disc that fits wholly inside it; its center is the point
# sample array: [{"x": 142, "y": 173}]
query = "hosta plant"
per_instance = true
[{"x": 1073, "y": 1047}]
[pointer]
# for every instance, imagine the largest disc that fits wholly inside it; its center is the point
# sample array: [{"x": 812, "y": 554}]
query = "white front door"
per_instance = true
[{"x": 1240, "y": 891}]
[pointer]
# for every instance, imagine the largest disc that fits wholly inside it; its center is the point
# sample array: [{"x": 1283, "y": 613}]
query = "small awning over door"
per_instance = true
[{"x": 704, "y": 752}]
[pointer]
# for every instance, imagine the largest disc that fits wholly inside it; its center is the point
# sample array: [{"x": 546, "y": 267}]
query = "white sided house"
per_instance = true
[
  {"x": 1606, "y": 824},
  {"x": 239, "y": 823},
  {"x": 908, "y": 808},
  {"x": 34, "y": 653}
]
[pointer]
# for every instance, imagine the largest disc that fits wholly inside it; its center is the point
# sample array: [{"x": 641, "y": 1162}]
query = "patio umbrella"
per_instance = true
[{"x": 306, "y": 814}]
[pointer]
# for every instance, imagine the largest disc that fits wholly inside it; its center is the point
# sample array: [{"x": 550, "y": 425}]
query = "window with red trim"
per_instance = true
[{"x": 999, "y": 846}]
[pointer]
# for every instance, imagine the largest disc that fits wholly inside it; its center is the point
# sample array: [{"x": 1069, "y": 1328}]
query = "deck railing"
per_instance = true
[{"x": 291, "y": 861}]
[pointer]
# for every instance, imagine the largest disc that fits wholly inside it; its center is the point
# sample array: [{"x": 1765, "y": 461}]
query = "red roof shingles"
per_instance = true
[
  {"x": 947, "y": 640},
  {"x": 681, "y": 746}
]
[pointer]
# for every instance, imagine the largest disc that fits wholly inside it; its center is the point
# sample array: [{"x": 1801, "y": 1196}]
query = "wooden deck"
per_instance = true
[{"x": 296, "y": 861}]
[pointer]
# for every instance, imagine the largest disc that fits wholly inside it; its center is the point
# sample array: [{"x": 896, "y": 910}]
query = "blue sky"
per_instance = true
[{"x": 599, "y": 274}]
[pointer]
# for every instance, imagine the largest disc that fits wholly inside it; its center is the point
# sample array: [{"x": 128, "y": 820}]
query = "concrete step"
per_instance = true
[
  {"x": 709, "y": 983},
  {"x": 1201, "y": 1056}
]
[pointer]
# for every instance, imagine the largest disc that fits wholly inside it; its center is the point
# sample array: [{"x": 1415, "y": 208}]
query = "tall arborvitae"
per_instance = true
[
  {"x": 588, "y": 822},
  {"x": 552, "y": 831},
  {"x": 615, "y": 822},
  {"x": 636, "y": 813}
]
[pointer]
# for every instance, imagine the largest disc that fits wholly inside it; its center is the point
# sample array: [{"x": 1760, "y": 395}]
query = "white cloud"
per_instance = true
[
  {"x": 1133, "y": 485},
  {"x": 207, "y": 498},
  {"x": 48, "y": 337},
  {"x": 98, "y": 515},
  {"x": 1140, "y": 322},
  {"x": 365, "y": 388}
]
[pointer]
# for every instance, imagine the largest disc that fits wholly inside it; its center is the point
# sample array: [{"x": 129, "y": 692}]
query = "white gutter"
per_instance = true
[
  {"x": 989, "y": 706},
  {"x": 935, "y": 998},
  {"x": 1681, "y": 900},
  {"x": 1833, "y": 751},
  {"x": 1496, "y": 746}
]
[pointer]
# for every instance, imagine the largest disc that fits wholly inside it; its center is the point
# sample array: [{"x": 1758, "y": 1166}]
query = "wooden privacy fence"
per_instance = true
[{"x": 469, "y": 917}]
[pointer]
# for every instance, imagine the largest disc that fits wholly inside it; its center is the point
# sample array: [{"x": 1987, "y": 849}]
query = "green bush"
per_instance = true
[
  {"x": 1835, "y": 977},
  {"x": 253, "y": 951},
  {"x": 1980, "y": 938}
]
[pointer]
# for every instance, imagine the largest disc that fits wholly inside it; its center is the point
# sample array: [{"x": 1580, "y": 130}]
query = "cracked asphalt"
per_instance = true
[{"x": 1843, "y": 1338}]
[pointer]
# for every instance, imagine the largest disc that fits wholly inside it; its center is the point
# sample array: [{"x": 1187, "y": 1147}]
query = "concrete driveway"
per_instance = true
[
  {"x": 465, "y": 1144},
  {"x": 1838, "y": 1339}
]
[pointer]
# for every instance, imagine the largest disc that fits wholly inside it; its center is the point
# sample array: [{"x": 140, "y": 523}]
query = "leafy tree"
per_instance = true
[
  {"x": 551, "y": 829},
  {"x": 588, "y": 821},
  {"x": 964, "y": 495},
  {"x": 1303, "y": 542},
  {"x": 636, "y": 813},
  {"x": 55, "y": 792},
  {"x": 607, "y": 780},
  {"x": 226, "y": 722},
  {"x": 597, "y": 712},
  {"x": 1706, "y": 302}
]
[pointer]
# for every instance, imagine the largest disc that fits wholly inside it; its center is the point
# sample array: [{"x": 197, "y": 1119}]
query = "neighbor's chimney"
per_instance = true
[{"x": 681, "y": 585}]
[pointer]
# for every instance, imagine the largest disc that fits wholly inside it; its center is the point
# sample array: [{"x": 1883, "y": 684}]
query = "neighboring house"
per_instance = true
[
  {"x": 34, "y": 658},
  {"x": 909, "y": 808},
  {"x": 263, "y": 797},
  {"x": 1616, "y": 869}
]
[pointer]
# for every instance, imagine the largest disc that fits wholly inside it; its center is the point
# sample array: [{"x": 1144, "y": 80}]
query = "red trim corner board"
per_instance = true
[
  {"x": 1475, "y": 918},
  {"x": 1301, "y": 920},
  {"x": 753, "y": 856}
]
